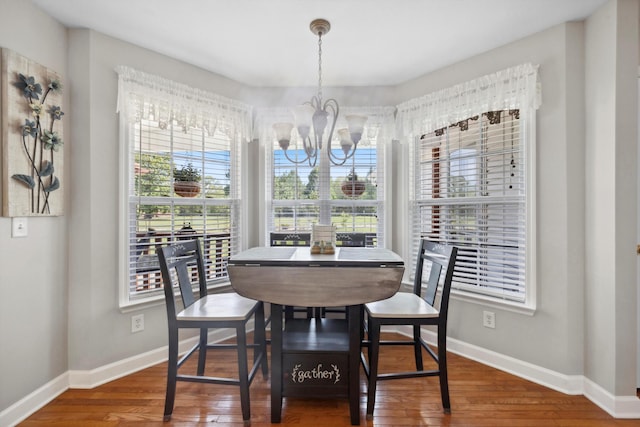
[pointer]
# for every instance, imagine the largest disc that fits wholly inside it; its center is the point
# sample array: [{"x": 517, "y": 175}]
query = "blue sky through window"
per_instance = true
[{"x": 364, "y": 160}]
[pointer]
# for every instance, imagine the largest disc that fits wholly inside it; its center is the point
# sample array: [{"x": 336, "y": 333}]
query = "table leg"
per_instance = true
[
  {"x": 276, "y": 363},
  {"x": 354, "y": 363}
]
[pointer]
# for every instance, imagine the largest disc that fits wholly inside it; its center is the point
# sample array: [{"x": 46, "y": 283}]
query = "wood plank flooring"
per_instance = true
[{"x": 481, "y": 397}]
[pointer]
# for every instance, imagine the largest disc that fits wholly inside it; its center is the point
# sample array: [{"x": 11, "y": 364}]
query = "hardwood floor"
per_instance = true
[{"x": 481, "y": 397}]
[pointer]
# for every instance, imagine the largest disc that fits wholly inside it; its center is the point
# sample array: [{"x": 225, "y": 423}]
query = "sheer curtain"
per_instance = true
[
  {"x": 513, "y": 88},
  {"x": 147, "y": 96}
]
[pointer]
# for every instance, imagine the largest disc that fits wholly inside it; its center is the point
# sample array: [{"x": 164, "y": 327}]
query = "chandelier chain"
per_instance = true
[{"x": 320, "y": 66}]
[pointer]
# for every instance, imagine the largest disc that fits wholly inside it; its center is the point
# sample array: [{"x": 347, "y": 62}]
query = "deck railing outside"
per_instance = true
[{"x": 146, "y": 270}]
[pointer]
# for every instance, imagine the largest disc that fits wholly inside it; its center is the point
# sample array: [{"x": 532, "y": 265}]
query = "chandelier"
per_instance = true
[{"x": 313, "y": 117}]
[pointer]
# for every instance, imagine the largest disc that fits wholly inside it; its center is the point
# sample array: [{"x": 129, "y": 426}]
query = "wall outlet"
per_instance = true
[
  {"x": 137, "y": 323},
  {"x": 489, "y": 319},
  {"x": 19, "y": 227}
]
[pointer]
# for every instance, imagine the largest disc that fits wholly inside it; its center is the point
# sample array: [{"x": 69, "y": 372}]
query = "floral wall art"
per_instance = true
[{"x": 32, "y": 138}]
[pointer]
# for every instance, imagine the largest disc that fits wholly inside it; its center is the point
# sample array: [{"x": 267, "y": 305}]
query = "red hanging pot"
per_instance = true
[{"x": 353, "y": 188}]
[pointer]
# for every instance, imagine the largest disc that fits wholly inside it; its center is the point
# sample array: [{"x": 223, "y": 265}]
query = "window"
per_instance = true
[
  {"x": 471, "y": 193},
  {"x": 349, "y": 196},
  {"x": 182, "y": 160},
  {"x": 471, "y": 185}
]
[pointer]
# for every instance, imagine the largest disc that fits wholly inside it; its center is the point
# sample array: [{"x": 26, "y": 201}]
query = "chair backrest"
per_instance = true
[
  {"x": 176, "y": 263},
  {"x": 441, "y": 258},
  {"x": 290, "y": 239},
  {"x": 356, "y": 240},
  {"x": 144, "y": 243}
]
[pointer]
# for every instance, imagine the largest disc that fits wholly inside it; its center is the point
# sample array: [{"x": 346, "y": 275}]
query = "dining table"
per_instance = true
[{"x": 316, "y": 357}]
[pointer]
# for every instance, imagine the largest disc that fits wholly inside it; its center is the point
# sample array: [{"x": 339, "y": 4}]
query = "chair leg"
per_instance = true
[
  {"x": 260, "y": 338},
  {"x": 354, "y": 362},
  {"x": 288, "y": 312},
  {"x": 368, "y": 326},
  {"x": 276, "y": 363},
  {"x": 202, "y": 351},
  {"x": 243, "y": 372},
  {"x": 172, "y": 372},
  {"x": 362, "y": 325},
  {"x": 417, "y": 348},
  {"x": 374, "y": 352},
  {"x": 442, "y": 367}
]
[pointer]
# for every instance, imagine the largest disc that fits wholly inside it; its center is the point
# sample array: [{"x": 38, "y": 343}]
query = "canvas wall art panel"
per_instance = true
[{"x": 32, "y": 126}]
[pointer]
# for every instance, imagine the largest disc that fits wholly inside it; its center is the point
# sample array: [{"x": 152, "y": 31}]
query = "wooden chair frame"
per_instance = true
[
  {"x": 180, "y": 258},
  {"x": 393, "y": 312}
]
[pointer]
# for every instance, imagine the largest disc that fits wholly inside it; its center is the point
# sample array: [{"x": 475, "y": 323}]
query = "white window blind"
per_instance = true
[
  {"x": 470, "y": 182},
  {"x": 299, "y": 195},
  {"x": 167, "y": 127},
  {"x": 471, "y": 161}
]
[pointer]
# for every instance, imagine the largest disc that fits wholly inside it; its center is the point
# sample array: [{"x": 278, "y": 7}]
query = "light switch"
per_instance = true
[{"x": 19, "y": 227}]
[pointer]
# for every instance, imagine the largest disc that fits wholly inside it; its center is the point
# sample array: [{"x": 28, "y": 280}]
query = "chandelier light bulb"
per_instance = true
[
  {"x": 356, "y": 126},
  {"x": 303, "y": 116},
  {"x": 283, "y": 134},
  {"x": 345, "y": 140}
]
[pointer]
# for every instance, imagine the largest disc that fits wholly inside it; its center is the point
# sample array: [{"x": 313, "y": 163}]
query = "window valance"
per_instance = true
[
  {"x": 147, "y": 96},
  {"x": 513, "y": 88}
]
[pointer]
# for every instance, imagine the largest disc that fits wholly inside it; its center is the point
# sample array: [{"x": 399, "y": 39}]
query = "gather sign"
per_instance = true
[{"x": 317, "y": 373}]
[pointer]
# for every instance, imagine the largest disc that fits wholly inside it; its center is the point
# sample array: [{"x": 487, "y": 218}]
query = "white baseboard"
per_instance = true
[
  {"x": 26, "y": 406},
  {"x": 616, "y": 406},
  {"x": 95, "y": 377},
  {"x": 88, "y": 379}
]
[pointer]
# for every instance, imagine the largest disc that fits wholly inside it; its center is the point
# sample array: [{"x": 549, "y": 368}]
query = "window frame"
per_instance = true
[
  {"x": 468, "y": 291},
  {"x": 379, "y": 118},
  {"x": 517, "y": 87},
  {"x": 230, "y": 128}
]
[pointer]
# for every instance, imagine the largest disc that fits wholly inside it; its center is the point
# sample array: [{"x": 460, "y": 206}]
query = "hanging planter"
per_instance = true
[
  {"x": 186, "y": 181},
  {"x": 186, "y": 188},
  {"x": 351, "y": 187}
]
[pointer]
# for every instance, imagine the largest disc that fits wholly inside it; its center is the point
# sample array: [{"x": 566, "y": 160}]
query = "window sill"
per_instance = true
[{"x": 487, "y": 301}]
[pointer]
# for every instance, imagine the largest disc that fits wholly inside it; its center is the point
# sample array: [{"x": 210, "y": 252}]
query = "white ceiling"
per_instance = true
[{"x": 268, "y": 42}]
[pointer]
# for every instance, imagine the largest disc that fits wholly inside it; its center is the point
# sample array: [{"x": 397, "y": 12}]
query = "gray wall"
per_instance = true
[
  {"x": 611, "y": 195},
  {"x": 585, "y": 322},
  {"x": 555, "y": 331},
  {"x": 33, "y": 269},
  {"x": 99, "y": 333},
  {"x": 68, "y": 266}
]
